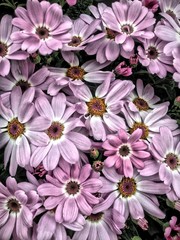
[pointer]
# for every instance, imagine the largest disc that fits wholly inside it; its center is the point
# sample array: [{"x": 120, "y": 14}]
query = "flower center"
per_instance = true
[
  {"x": 95, "y": 217},
  {"x": 23, "y": 84},
  {"x": 15, "y": 128},
  {"x": 55, "y": 131},
  {"x": 127, "y": 187},
  {"x": 96, "y": 106},
  {"x": 3, "y": 49},
  {"x": 143, "y": 127},
  {"x": 128, "y": 29},
  {"x": 75, "y": 73},
  {"x": 75, "y": 41},
  {"x": 13, "y": 205},
  {"x": 172, "y": 161},
  {"x": 42, "y": 32},
  {"x": 124, "y": 150},
  {"x": 110, "y": 33},
  {"x": 171, "y": 13},
  {"x": 152, "y": 53},
  {"x": 141, "y": 104},
  {"x": 72, "y": 188}
]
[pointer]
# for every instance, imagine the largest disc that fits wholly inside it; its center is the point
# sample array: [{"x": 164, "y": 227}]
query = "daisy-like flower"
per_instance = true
[
  {"x": 143, "y": 99},
  {"x": 70, "y": 191},
  {"x": 166, "y": 150},
  {"x": 130, "y": 20},
  {"x": 150, "y": 123},
  {"x": 101, "y": 111},
  {"x": 82, "y": 34},
  {"x": 130, "y": 195},
  {"x": 153, "y": 57},
  {"x": 102, "y": 225},
  {"x": 42, "y": 27},
  {"x": 170, "y": 7},
  {"x": 20, "y": 126},
  {"x": 76, "y": 74},
  {"x": 63, "y": 139},
  {"x": 124, "y": 150},
  {"x": 16, "y": 216},
  {"x": 169, "y": 32},
  {"x": 23, "y": 74},
  {"x": 176, "y": 75},
  {"x": 8, "y": 49}
]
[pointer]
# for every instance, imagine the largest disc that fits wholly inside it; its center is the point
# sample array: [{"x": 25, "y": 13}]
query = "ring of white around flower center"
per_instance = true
[
  {"x": 124, "y": 151},
  {"x": 72, "y": 188}
]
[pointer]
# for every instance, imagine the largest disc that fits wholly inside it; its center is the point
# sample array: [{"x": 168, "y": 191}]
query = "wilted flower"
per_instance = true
[
  {"x": 123, "y": 69},
  {"x": 173, "y": 227},
  {"x": 151, "y": 5}
]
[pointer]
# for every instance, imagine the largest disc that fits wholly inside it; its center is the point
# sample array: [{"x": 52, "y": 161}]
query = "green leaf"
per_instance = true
[{"x": 136, "y": 238}]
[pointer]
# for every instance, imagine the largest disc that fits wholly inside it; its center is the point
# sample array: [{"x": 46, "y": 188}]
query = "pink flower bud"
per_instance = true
[
  {"x": 143, "y": 223},
  {"x": 71, "y": 2},
  {"x": 134, "y": 59},
  {"x": 97, "y": 166},
  {"x": 123, "y": 69}
]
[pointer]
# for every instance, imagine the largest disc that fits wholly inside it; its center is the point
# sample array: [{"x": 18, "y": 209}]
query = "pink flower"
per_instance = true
[
  {"x": 16, "y": 210},
  {"x": 124, "y": 150},
  {"x": 70, "y": 191},
  {"x": 101, "y": 111},
  {"x": 106, "y": 224},
  {"x": 152, "y": 5},
  {"x": 153, "y": 57},
  {"x": 176, "y": 75},
  {"x": 130, "y": 195},
  {"x": 71, "y": 2},
  {"x": 8, "y": 49},
  {"x": 170, "y": 7},
  {"x": 20, "y": 127},
  {"x": 172, "y": 227},
  {"x": 63, "y": 139},
  {"x": 23, "y": 74},
  {"x": 123, "y": 69},
  {"x": 42, "y": 27},
  {"x": 133, "y": 60}
]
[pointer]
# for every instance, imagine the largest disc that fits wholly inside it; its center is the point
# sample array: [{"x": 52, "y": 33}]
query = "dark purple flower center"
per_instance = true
[
  {"x": 72, "y": 187},
  {"x": 124, "y": 150},
  {"x": 110, "y": 33},
  {"x": 96, "y": 106},
  {"x": 128, "y": 29},
  {"x": 152, "y": 53},
  {"x": 141, "y": 104},
  {"x": 13, "y": 205},
  {"x": 3, "y": 49},
  {"x": 15, "y": 128},
  {"x": 172, "y": 14},
  {"x": 23, "y": 84},
  {"x": 55, "y": 131},
  {"x": 76, "y": 73},
  {"x": 75, "y": 41},
  {"x": 143, "y": 127},
  {"x": 97, "y": 166},
  {"x": 172, "y": 160},
  {"x": 95, "y": 217},
  {"x": 42, "y": 32},
  {"x": 127, "y": 187}
]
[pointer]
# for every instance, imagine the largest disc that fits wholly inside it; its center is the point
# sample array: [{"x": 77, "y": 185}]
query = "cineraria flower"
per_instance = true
[
  {"x": 130, "y": 20},
  {"x": 19, "y": 126},
  {"x": 173, "y": 229},
  {"x": 102, "y": 225},
  {"x": 105, "y": 48},
  {"x": 170, "y": 7},
  {"x": 70, "y": 191},
  {"x": 166, "y": 150},
  {"x": 143, "y": 100},
  {"x": 153, "y": 57},
  {"x": 23, "y": 74},
  {"x": 42, "y": 27},
  {"x": 8, "y": 49},
  {"x": 124, "y": 150},
  {"x": 130, "y": 195},
  {"x": 75, "y": 74},
  {"x": 63, "y": 139},
  {"x": 101, "y": 110},
  {"x": 152, "y": 5},
  {"x": 15, "y": 207},
  {"x": 81, "y": 35},
  {"x": 176, "y": 75},
  {"x": 48, "y": 228},
  {"x": 150, "y": 123},
  {"x": 169, "y": 32}
]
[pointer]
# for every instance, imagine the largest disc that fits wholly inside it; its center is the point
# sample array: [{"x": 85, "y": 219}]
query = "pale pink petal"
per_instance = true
[{"x": 70, "y": 210}]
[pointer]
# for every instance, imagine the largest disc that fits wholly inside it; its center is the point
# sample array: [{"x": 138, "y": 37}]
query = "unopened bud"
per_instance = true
[
  {"x": 94, "y": 153},
  {"x": 97, "y": 166}
]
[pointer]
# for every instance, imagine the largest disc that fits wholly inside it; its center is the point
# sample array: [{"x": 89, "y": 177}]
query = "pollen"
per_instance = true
[
  {"x": 143, "y": 127},
  {"x": 76, "y": 73},
  {"x": 55, "y": 131},
  {"x": 141, "y": 104},
  {"x": 96, "y": 107},
  {"x": 15, "y": 128},
  {"x": 127, "y": 187}
]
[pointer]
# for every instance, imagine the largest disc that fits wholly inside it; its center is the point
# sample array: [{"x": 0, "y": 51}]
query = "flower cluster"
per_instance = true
[{"x": 87, "y": 145}]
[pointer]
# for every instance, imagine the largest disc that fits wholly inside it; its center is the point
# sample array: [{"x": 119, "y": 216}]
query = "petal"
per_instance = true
[
  {"x": 52, "y": 159},
  {"x": 84, "y": 207},
  {"x": 97, "y": 128},
  {"x": 82, "y": 142},
  {"x": 70, "y": 210},
  {"x": 44, "y": 108},
  {"x": 59, "y": 105},
  {"x": 23, "y": 152},
  {"x": 135, "y": 208}
]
